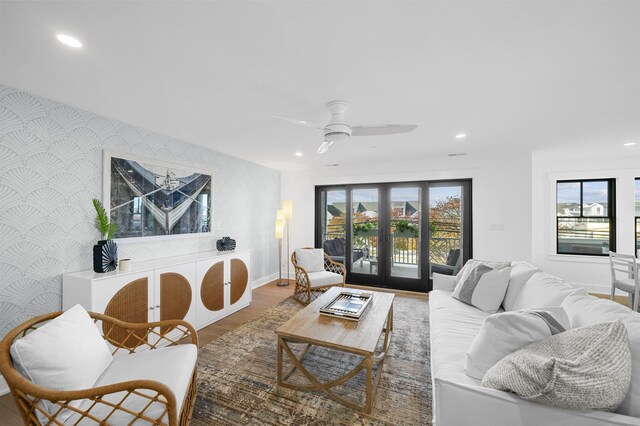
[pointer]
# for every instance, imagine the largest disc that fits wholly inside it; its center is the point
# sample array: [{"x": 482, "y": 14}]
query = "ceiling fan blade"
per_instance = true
[
  {"x": 382, "y": 129},
  {"x": 298, "y": 122},
  {"x": 324, "y": 147}
]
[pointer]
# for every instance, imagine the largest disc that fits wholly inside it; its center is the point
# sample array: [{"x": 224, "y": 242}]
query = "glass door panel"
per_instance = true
[
  {"x": 364, "y": 231},
  {"x": 333, "y": 223},
  {"x": 404, "y": 250},
  {"x": 445, "y": 229}
]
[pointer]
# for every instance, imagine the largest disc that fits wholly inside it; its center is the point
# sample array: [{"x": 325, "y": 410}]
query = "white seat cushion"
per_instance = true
[
  {"x": 172, "y": 366},
  {"x": 67, "y": 353},
  {"x": 323, "y": 278},
  {"x": 311, "y": 260},
  {"x": 628, "y": 285}
]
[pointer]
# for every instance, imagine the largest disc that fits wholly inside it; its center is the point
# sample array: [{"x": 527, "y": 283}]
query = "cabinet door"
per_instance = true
[
  {"x": 128, "y": 298},
  {"x": 210, "y": 290},
  {"x": 174, "y": 294},
  {"x": 239, "y": 279}
]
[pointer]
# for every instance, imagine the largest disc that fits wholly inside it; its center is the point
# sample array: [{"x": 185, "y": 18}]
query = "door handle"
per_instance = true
[{"x": 151, "y": 308}]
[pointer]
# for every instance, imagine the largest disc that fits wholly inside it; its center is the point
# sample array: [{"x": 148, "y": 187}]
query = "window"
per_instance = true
[
  {"x": 585, "y": 216},
  {"x": 637, "y": 206}
]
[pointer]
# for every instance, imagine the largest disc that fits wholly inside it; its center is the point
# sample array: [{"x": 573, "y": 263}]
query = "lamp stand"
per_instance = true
[
  {"x": 280, "y": 282},
  {"x": 285, "y": 283}
]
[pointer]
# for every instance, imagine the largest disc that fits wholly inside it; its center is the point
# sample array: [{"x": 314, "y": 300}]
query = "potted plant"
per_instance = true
[
  {"x": 365, "y": 229},
  {"x": 405, "y": 229},
  {"x": 105, "y": 252}
]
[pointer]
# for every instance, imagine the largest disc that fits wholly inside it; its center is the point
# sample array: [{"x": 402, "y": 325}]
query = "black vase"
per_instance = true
[
  {"x": 105, "y": 256},
  {"x": 226, "y": 244}
]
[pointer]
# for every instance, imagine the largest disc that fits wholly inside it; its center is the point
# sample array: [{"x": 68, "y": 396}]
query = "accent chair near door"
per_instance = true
[{"x": 315, "y": 272}]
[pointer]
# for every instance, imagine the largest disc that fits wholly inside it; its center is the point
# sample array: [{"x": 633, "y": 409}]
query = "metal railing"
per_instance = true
[{"x": 406, "y": 250}]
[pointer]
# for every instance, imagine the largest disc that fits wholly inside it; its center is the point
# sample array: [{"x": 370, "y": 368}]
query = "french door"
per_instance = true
[{"x": 396, "y": 234}]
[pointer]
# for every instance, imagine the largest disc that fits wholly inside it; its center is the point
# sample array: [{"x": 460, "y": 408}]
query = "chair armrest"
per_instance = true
[
  {"x": 335, "y": 267},
  {"x": 444, "y": 282},
  {"x": 143, "y": 331}
]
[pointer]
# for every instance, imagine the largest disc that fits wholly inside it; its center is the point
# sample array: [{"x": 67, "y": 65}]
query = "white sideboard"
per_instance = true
[{"x": 200, "y": 288}]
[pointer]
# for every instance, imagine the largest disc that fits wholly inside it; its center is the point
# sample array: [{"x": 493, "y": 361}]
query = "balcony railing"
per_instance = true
[{"x": 406, "y": 250}]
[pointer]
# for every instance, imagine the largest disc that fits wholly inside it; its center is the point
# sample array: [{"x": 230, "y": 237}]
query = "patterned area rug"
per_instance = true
[{"x": 237, "y": 376}]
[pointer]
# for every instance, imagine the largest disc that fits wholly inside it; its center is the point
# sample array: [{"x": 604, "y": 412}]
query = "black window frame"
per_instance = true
[
  {"x": 636, "y": 228},
  {"x": 611, "y": 214}
]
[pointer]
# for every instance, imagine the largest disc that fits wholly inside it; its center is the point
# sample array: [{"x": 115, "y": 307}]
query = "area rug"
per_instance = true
[{"x": 237, "y": 376}]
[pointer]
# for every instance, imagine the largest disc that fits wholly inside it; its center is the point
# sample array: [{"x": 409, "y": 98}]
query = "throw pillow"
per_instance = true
[
  {"x": 541, "y": 289},
  {"x": 464, "y": 272},
  {"x": 520, "y": 273},
  {"x": 67, "y": 353},
  {"x": 311, "y": 260},
  {"x": 504, "y": 333},
  {"x": 586, "y": 368},
  {"x": 483, "y": 287}
]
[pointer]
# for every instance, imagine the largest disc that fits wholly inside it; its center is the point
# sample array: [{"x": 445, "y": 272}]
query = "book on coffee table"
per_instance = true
[{"x": 348, "y": 305}]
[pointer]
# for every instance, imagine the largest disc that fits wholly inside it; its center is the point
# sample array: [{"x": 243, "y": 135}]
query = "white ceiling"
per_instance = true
[{"x": 512, "y": 75}]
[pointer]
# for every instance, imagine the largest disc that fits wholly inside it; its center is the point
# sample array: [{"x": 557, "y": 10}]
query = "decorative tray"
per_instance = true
[{"x": 348, "y": 305}]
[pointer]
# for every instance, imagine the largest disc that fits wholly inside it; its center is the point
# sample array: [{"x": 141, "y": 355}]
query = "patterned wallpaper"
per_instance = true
[{"x": 51, "y": 168}]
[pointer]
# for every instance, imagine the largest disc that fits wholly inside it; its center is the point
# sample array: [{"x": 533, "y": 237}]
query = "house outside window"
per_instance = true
[{"x": 585, "y": 216}]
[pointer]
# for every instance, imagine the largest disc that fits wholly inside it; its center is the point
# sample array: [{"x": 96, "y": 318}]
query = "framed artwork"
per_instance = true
[{"x": 147, "y": 198}]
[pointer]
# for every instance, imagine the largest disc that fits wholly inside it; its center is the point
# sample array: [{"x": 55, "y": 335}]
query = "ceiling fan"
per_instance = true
[{"x": 337, "y": 130}]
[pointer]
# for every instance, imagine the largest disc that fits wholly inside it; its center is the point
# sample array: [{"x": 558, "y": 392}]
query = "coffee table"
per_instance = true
[{"x": 355, "y": 337}]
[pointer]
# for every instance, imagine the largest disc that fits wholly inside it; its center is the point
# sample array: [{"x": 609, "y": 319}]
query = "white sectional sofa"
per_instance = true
[{"x": 460, "y": 400}]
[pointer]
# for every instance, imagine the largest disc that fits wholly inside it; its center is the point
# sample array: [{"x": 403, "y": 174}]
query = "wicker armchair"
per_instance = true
[
  {"x": 123, "y": 338},
  {"x": 309, "y": 286}
]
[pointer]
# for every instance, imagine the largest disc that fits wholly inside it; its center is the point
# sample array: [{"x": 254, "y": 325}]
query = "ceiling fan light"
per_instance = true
[
  {"x": 334, "y": 137},
  {"x": 324, "y": 147}
]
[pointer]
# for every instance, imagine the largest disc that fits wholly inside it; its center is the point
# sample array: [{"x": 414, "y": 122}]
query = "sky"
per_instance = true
[{"x": 592, "y": 192}]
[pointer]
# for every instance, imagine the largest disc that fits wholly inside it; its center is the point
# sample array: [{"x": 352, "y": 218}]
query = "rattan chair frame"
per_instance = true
[
  {"x": 28, "y": 395},
  {"x": 303, "y": 292}
]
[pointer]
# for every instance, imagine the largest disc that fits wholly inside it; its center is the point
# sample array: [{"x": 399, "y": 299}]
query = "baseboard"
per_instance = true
[
  {"x": 4, "y": 387},
  {"x": 264, "y": 280}
]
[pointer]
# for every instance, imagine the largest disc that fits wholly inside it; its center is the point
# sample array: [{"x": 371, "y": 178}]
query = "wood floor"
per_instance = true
[{"x": 263, "y": 298}]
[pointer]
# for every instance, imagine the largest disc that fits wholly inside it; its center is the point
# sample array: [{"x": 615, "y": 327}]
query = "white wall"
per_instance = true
[
  {"x": 501, "y": 188},
  {"x": 590, "y": 272}
]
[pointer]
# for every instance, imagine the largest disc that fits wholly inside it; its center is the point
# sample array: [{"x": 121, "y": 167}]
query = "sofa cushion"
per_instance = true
[
  {"x": 520, "y": 274},
  {"x": 67, "y": 353},
  {"x": 583, "y": 369},
  {"x": 583, "y": 309},
  {"x": 311, "y": 260},
  {"x": 321, "y": 279},
  {"x": 540, "y": 291},
  {"x": 172, "y": 366},
  {"x": 504, "y": 333},
  {"x": 483, "y": 287}
]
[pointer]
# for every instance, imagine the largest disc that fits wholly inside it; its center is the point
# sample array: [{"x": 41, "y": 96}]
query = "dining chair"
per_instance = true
[{"x": 624, "y": 276}]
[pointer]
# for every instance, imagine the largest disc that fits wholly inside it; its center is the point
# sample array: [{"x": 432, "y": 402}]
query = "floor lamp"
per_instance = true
[
  {"x": 287, "y": 211},
  {"x": 279, "y": 236}
]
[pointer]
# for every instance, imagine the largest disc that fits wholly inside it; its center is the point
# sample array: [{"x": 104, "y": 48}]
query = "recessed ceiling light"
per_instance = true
[
  {"x": 298, "y": 154},
  {"x": 461, "y": 136},
  {"x": 629, "y": 144},
  {"x": 69, "y": 41},
  {"x": 457, "y": 154}
]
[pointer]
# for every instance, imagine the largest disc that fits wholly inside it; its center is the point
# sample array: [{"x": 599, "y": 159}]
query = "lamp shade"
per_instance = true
[
  {"x": 280, "y": 215},
  {"x": 279, "y": 228},
  {"x": 287, "y": 207}
]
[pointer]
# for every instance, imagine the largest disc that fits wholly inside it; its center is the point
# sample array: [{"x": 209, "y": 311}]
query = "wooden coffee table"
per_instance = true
[{"x": 356, "y": 337}]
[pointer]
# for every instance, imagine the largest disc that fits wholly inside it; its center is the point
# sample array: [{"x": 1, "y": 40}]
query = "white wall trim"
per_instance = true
[{"x": 264, "y": 280}]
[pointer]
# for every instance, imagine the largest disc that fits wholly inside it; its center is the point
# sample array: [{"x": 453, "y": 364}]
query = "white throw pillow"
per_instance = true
[
  {"x": 587, "y": 368},
  {"x": 67, "y": 353},
  {"x": 583, "y": 309},
  {"x": 504, "y": 333},
  {"x": 311, "y": 260},
  {"x": 483, "y": 287},
  {"x": 521, "y": 272},
  {"x": 541, "y": 289},
  {"x": 464, "y": 272}
]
